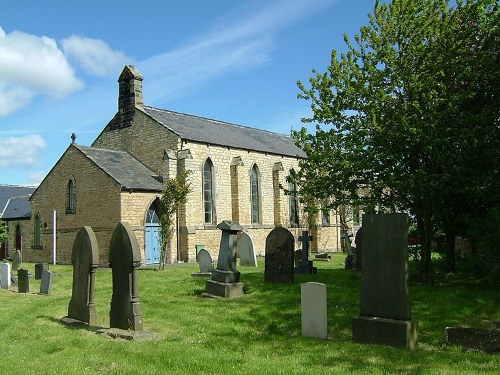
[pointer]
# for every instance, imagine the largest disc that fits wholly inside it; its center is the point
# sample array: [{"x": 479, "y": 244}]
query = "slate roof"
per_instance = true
[
  {"x": 9, "y": 191},
  {"x": 123, "y": 168},
  {"x": 199, "y": 129},
  {"x": 17, "y": 208}
]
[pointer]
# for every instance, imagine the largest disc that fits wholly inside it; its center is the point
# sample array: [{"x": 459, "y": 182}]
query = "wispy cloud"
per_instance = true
[
  {"x": 21, "y": 151},
  {"x": 244, "y": 43},
  {"x": 94, "y": 55},
  {"x": 31, "y": 65}
]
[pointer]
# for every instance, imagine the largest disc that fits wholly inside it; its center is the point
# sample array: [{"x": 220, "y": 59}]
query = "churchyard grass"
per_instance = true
[{"x": 257, "y": 333}]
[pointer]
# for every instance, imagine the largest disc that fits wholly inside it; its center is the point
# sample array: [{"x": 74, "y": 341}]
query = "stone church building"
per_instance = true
[{"x": 236, "y": 174}]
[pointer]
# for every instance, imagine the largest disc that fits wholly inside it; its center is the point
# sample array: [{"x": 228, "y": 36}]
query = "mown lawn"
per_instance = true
[{"x": 258, "y": 333}]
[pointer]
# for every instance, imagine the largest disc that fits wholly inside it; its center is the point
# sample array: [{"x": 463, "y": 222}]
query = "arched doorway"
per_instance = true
[{"x": 152, "y": 234}]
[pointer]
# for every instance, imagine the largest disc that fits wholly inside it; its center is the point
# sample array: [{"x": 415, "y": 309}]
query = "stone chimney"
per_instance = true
[{"x": 129, "y": 95}]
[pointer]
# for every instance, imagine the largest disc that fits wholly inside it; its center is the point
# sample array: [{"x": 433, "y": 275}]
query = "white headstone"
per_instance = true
[
  {"x": 46, "y": 285},
  {"x": 5, "y": 275},
  {"x": 314, "y": 310},
  {"x": 205, "y": 261},
  {"x": 246, "y": 250}
]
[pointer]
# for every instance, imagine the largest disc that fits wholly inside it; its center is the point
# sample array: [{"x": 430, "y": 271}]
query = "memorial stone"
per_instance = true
[
  {"x": 385, "y": 316},
  {"x": 23, "y": 281},
  {"x": 39, "y": 268},
  {"x": 314, "y": 310},
  {"x": 46, "y": 284},
  {"x": 85, "y": 260},
  {"x": 358, "y": 240},
  {"x": 279, "y": 256},
  {"x": 205, "y": 260},
  {"x": 246, "y": 250},
  {"x": 124, "y": 260},
  {"x": 16, "y": 260},
  {"x": 305, "y": 265},
  {"x": 5, "y": 275}
]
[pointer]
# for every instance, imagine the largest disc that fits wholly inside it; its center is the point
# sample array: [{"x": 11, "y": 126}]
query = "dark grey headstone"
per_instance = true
[
  {"x": 246, "y": 250},
  {"x": 85, "y": 260},
  {"x": 305, "y": 266},
  {"x": 124, "y": 260},
  {"x": 385, "y": 301},
  {"x": 46, "y": 284},
  {"x": 16, "y": 260},
  {"x": 279, "y": 256},
  {"x": 358, "y": 240},
  {"x": 39, "y": 268},
  {"x": 23, "y": 281}
]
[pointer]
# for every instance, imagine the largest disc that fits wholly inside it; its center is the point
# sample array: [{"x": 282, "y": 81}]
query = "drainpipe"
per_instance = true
[{"x": 54, "y": 236}]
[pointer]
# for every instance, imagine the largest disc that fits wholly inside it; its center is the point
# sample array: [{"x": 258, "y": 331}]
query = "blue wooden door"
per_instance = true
[{"x": 152, "y": 243}]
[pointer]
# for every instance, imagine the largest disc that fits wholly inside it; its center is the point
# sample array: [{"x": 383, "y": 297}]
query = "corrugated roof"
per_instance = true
[
  {"x": 123, "y": 168},
  {"x": 17, "y": 208},
  {"x": 199, "y": 129}
]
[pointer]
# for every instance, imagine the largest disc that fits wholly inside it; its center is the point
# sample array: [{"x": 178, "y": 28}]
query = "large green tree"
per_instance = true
[
  {"x": 406, "y": 118},
  {"x": 4, "y": 234}
]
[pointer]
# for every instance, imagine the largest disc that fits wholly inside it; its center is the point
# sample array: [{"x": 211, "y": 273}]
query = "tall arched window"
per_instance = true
[
  {"x": 71, "y": 206},
  {"x": 19, "y": 241},
  {"x": 37, "y": 232},
  {"x": 208, "y": 192},
  {"x": 255, "y": 188}
]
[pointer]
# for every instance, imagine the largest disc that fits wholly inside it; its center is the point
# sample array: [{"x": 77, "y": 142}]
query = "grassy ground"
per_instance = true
[{"x": 258, "y": 333}]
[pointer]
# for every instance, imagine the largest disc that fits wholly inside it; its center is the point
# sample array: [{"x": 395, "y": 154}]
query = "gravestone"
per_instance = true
[
  {"x": 85, "y": 260},
  {"x": 385, "y": 316},
  {"x": 279, "y": 256},
  {"x": 204, "y": 259},
  {"x": 5, "y": 275},
  {"x": 314, "y": 310},
  {"x": 124, "y": 260},
  {"x": 297, "y": 257},
  {"x": 39, "y": 268},
  {"x": 246, "y": 250},
  {"x": 358, "y": 240},
  {"x": 305, "y": 265},
  {"x": 46, "y": 284},
  {"x": 225, "y": 280},
  {"x": 16, "y": 260},
  {"x": 23, "y": 281}
]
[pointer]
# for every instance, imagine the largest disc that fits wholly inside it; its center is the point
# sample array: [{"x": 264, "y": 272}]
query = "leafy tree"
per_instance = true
[
  {"x": 173, "y": 197},
  {"x": 392, "y": 132},
  {"x": 4, "y": 233}
]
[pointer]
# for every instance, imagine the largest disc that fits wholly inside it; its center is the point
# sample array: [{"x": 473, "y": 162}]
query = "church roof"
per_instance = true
[
  {"x": 17, "y": 208},
  {"x": 123, "y": 168},
  {"x": 9, "y": 191},
  {"x": 199, "y": 129}
]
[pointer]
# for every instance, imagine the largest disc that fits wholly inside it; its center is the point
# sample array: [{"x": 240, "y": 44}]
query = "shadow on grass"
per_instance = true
[{"x": 75, "y": 325}]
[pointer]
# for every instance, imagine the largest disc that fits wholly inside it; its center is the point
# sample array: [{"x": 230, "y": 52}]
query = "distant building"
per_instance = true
[{"x": 236, "y": 175}]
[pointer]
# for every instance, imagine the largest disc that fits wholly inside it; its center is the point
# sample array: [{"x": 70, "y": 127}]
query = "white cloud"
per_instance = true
[
  {"x": 31, "y": 65},
  {"x": 21, "y": 152},
  {"x": 94, "y": 55}
]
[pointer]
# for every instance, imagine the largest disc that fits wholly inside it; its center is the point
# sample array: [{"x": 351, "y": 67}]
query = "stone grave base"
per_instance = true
[
  {"x": 221, "y": 289},
  {"x": 396, "y": 333},
  {"x": 74, "y": 322},
  {"x": 486, "y": 340},
  {"x": 126, "y": 334},
  {"x": 305, "y": 268}
]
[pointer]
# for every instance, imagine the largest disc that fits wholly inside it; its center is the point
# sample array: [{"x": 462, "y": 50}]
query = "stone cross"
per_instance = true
[
  {"x": 305, "y": 266},
  {"x": 305, "y": 238}
]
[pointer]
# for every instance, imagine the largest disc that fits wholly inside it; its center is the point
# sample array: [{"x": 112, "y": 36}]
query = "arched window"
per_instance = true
[
  {"x": 19, "y": 241},
  {"x": 152, "y": 215},
  {"x": 37, "y": 232},
  {"x": 71, "y": 207},
  {"x": 294, "y": 212},
  {"x": 208, "y": 192},
  {"x": 255, "y": 188}
]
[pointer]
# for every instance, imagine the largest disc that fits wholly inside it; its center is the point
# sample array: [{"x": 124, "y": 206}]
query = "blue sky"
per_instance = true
[{"x": 230, "y": 60}]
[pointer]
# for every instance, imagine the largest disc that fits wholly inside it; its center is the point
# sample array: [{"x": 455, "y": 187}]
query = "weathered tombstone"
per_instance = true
[
  {"x": 85, "y": 260},
  {"x": 314, "y": 310},
  {"x": 225, "y": 280},
  {"x": 204, "y": 259},
  {"x": 5, "y": 275},
  {"x": 46, "y": 284},
  {"x": 39, "y": 268},
  {"x": 305, "y": 265},
  {"x": 385, "y": 316},
  {"x": 279, "y": 256},
  {"x": 246, "y": 249},
  {"x": 358, "y": 240},
  {"x": 23, "y": 281},
  {"x": 16, "y": 260},
  {"x": 124, "y": 260}
]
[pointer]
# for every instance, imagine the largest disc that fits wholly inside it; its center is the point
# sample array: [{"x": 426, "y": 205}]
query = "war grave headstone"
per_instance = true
[
  {"x": 225, "y": 280},
  {"x": 313, "y": 310},
  {"x": 305, "y": 265},
  {"x": 46, "y": 283},
  {"x": 124, "y": 260},
  {"x": 206, "y": 262},
  {"x": 5, "y": 275},
  {"x": 246, "y": 250},
  {"x": 23, "y": 281},
  {"x": 279, "y": 260},
  {"x": 16, "y": 260},
  {"x": 85, "y": 260},
  {"x": 385, "y": 316},
  {"x": 39, "y": 268}
]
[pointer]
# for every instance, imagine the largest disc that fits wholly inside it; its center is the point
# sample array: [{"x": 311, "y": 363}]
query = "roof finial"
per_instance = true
[{"x": 73, "y": 138}]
